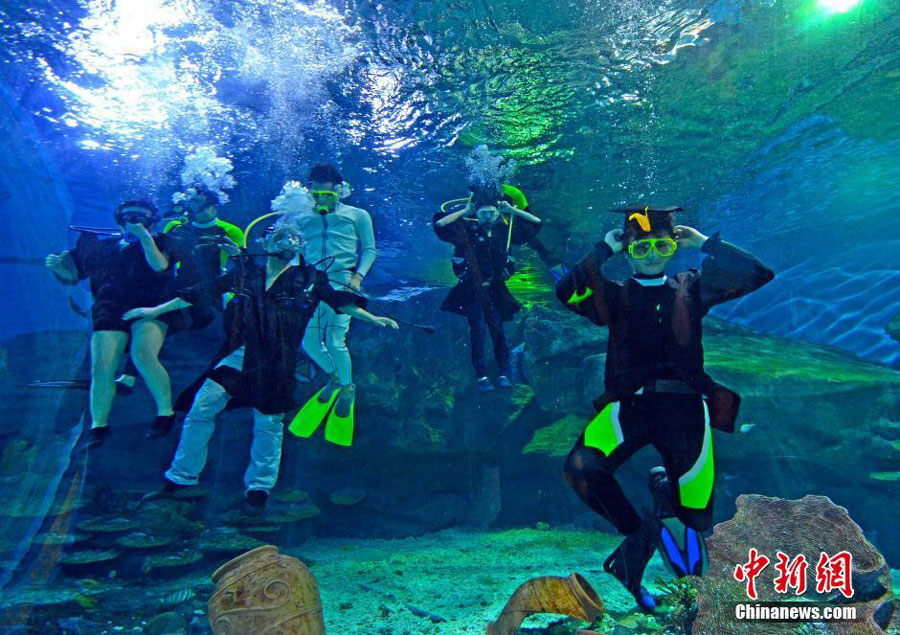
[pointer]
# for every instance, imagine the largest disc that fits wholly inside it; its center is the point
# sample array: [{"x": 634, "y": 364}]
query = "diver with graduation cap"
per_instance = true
[{"x": 656, "y": 389}]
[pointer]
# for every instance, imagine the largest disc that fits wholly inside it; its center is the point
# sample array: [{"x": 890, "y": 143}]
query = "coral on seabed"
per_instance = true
[{"x": 808, "y": 526}]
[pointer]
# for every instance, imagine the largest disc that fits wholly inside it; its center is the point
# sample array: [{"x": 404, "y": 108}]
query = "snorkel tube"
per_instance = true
[{"x": 254, "y": 223}]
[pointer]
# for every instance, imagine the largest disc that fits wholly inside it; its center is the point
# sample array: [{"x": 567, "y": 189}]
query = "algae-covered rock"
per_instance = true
[
  {"x": 140, "y": 540},
  {"x": 226, "y": 542},
  {"x": 108, "y": 525},
  {"x": 885, "y": 476},
  {"x": 90, "y": 556},
  {"x": 294, "y": 514},
  {"x": 752, "y": 362},
  {"x": 169, "y": 517},
  {"x": 52, "y": 538},
  {"x": 89, "y": 561},
  {"x": 557, "y": 438},
  {"x": 348, "y": 496},
  {"x": 290, "y": 496},
  {"x": 171, "y": 565}
]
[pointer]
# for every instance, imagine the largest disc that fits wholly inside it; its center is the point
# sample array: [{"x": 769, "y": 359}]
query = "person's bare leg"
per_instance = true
[
  {"x": 106, "y": 351},
  {"x": 147, "y": 337}
]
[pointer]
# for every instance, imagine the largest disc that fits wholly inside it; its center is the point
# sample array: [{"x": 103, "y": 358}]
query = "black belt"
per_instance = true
[{"x": 669, "y": 386}]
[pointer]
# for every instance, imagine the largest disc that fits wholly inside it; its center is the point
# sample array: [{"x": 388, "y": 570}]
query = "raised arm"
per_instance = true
[
  {"x": 585, "y": 290},
  {"x": 63, "y": 267},
  {"x": 155, "y": 257},
  {"x": 729, "y": 272},
  {"x": 505, "y": 206},
  {"x": 452, "y": 217}
]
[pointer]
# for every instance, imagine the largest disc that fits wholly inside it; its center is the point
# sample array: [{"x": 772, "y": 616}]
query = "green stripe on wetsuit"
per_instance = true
[{"x": 604, "y": 433}]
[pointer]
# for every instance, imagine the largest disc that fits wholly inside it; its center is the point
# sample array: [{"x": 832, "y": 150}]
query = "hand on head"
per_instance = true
[
  {"x": 689, "y": 237},
  {"x": 615, "y": 239}
]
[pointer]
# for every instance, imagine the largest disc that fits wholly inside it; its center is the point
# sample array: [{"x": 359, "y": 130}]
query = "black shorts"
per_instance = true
[
  {"x": 106, "y": 315},
  {"x": 192, "y": 318}
]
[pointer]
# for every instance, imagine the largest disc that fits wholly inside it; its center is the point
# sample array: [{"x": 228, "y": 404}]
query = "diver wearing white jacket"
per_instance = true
[{"x": 341, "y": 240}]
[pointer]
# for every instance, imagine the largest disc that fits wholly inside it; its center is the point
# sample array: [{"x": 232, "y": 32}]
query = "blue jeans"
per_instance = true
[{"x": 190, "y": 457}]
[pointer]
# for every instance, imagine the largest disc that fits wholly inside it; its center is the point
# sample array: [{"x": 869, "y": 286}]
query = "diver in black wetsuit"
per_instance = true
[
  {"x": 481, "y": 237},
  {"x": 656, "y": 390},
  {"x": 264, "y": 325},
  {"x": 126, "y": 271}
]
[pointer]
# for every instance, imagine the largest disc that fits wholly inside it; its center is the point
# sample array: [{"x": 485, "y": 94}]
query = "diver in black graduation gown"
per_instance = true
[
  {"x": 656, "y": 390},
  {"x": 482, "y": 234},
  {"x": 265, "y": 323}
]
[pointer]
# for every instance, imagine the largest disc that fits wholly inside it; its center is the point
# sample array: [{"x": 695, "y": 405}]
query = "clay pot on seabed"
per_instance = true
[
  {"x": 572, "y": 596},
  {"x": 262, "y": 592}
]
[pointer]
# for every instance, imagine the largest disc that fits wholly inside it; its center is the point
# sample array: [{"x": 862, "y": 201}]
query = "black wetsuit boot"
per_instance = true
[{"x": 630, "y": 558}]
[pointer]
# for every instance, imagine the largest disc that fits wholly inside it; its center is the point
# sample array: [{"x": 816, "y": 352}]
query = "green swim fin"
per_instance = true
[
  {"x": 339, "y": 429},
  {"x": 312, "y": 414}
]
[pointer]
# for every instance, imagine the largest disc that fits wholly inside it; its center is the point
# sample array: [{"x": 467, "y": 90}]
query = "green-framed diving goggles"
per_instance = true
[
  {"x": 326, "y": 200},
  {"x": 664, "y": 247}
]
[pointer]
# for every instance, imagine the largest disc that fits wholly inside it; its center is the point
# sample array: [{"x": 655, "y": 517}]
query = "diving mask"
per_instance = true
[
  {"x": 664, "y": 247},
  {"x": 283, "y": 241},
  {"x": 486, "y": 214},
  {"x": 325, "y": 200},
  {"x": 134, "y": 216},
  {"x": 194, "y": 205}
]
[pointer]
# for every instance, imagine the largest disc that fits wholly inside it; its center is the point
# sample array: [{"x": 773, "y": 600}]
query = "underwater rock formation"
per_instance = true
[
  {"x": 263, "y": 592},
  {"x": 808, "y": 526},
  {"x": 572, "y": 596}
]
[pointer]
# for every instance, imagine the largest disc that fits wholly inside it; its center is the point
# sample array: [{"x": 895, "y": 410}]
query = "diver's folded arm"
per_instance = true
[{"x": 584, "y": 290}]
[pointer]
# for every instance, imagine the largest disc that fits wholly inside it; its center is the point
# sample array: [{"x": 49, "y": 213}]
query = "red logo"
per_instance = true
[
  {"x": 833, "y": 573},
  {"x": 748, "y": 572},
  {"x": 791, "y": 574}
]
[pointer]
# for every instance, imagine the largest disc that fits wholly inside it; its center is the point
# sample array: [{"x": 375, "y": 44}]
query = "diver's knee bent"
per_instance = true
[{"x": 583, "y": 462}]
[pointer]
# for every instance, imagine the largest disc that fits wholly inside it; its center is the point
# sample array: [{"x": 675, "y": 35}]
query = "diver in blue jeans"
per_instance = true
[{"x": 265, "y": 322}]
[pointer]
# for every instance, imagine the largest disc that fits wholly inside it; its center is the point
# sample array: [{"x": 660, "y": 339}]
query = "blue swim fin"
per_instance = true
[{"x": 682, "y": 548}]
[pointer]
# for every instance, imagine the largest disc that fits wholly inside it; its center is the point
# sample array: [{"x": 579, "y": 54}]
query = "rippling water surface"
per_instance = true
[{"x": 771, "y": 121}]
